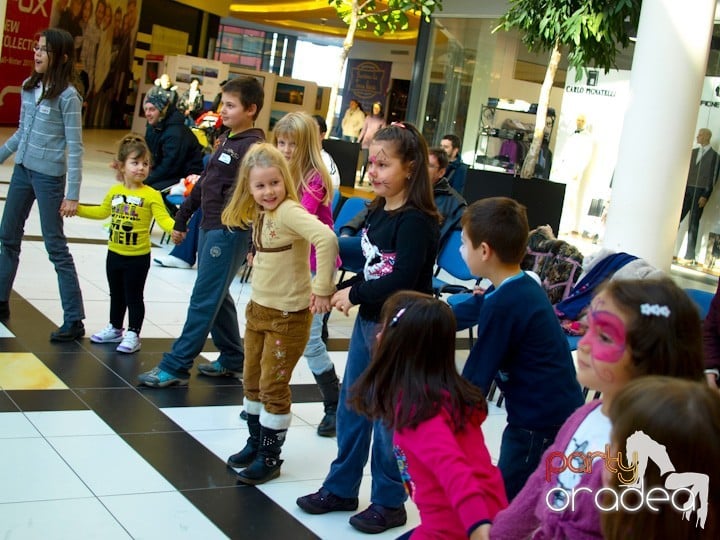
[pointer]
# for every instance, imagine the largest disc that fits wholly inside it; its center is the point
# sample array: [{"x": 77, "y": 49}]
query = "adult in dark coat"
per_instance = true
[
  {"x": 175, "y": 150},
  {"x": 701, "y": 179}
]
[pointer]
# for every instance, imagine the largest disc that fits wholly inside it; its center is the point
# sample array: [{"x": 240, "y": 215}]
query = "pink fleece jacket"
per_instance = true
[{"x": 450, "y": 476}]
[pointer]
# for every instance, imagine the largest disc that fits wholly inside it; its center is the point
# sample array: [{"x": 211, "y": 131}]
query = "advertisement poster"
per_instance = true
[
  {"x": 366, "y": 81},
  {"x": 23, "y": 20},
  {"x": 104, "y": 33}
]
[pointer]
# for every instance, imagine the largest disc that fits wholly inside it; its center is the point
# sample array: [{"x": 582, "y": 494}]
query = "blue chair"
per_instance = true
[
  {"x": 451, "y": 262},
  {"x": 350, "y": 208},
  {"x": 702, "y": 300}
]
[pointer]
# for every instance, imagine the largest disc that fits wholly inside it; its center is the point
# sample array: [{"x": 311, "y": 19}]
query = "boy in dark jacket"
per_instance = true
[{"x": 221, "y": 250}]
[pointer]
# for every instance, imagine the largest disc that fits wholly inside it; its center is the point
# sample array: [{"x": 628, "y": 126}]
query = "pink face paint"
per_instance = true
[{"x": 605, "y": 335}]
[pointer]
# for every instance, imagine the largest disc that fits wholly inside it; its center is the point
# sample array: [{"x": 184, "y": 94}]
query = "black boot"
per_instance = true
[
  {"x": 330, "y": 389},
  {"x": 324, "y": 334},
  {"x": 247, "y": 455},
  {"x": 267, "y": 463}
]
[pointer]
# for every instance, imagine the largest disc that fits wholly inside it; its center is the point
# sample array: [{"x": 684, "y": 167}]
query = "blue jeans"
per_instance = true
[
  {"x": 315, "y": 352},
  {"x": 520, "y": 453},
  {"x": 354, "y": 432},
  {"x": 212, "y": 309},
  {"x": 188, "y": 248},
  {"x": 25, "y": 187}
]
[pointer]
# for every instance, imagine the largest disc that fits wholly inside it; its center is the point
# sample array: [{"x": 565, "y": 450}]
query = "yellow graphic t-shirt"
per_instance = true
[{"x": 132, "y": 212}]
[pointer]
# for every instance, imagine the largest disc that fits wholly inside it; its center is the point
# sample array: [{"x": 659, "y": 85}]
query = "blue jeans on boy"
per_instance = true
[
  {"x": 25, "y": 187},
  {"x": 354, "y": 432},
  {"x": 187, "y": 250},
  {"x": 520, "y": 453},
  {"x": 212, "y": 309}
]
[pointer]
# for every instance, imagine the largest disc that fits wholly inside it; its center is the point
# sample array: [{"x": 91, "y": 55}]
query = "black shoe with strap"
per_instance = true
[
  {"x": 69, "y": 331},
  {"x": 324, "y": 501},
  {"x": 377, "y": 518}
]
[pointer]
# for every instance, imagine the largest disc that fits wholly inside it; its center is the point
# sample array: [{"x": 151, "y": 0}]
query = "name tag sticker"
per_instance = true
[
  {"x": 224, "y": 158},
  {"x": 44, "y": 109}
]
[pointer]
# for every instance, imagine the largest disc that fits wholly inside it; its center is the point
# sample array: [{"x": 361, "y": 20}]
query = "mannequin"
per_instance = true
[{"x": 574, "y": 161}]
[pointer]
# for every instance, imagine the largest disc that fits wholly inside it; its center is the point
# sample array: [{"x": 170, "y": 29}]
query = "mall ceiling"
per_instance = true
[{"x": 313, "y": 17}]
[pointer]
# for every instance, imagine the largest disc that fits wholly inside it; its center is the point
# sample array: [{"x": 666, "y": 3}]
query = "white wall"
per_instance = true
[{"x": 401, "y": 56}]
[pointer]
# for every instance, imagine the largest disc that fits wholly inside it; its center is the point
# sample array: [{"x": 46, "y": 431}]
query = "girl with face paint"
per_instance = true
[{"x": 634, "y": 328}]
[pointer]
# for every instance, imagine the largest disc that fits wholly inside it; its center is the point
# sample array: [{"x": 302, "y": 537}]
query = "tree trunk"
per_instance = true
[
  {"x": 347, "y": 45},
  {"x": 528, "y": 168}
]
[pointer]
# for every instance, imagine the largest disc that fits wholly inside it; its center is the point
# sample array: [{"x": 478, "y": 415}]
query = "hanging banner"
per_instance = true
[
  {"x": 23, "y": 20},
  {"x": 366, "y": 81}
]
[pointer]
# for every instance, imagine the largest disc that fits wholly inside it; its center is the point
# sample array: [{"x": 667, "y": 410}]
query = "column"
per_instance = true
[{"x": 669, "y": 63}]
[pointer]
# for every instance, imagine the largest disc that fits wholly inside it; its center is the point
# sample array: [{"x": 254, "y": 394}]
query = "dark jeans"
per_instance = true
[
  {"x": 25, "y": 187},
  {"x": 520, "y": 453},
  {"x": 690, "y": 204},
  {"x": 126, "y": 276},
  {"x": 221, "y": 252}
]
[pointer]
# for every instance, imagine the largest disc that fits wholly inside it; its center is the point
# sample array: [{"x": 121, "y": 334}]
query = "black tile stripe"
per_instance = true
[{"x": 101, "y": 380}]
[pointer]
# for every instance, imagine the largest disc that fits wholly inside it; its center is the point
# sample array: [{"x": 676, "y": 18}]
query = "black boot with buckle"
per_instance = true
[
  {"x": 248, "y": 454},
  {"x": 266, "y": 465},
  {"x": 330, "y": 389}
]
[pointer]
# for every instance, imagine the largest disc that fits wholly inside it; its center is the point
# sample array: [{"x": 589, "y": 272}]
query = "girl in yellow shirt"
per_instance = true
[{"x": 132, "y": 206}]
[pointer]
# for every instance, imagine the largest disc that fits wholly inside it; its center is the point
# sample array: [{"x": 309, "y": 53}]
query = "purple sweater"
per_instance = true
[{"x": 528, "y": 516}]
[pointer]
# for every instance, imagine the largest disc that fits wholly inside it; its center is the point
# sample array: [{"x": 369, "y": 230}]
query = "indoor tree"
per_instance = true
[
  {"x": 591, "y": 31},
  {"x": 378, "y": 16}
]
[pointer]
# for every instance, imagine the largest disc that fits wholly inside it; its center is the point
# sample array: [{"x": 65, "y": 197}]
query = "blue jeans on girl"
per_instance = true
[
  {"x": 354, "y": 432},
  {"x": 25, "y": 187}
]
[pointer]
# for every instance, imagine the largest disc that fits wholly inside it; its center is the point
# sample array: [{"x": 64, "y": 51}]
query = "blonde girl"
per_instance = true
[
  {"x": 131, "y": 206},
  {"x": 282, "y": 303},
  {"x": 296, "y": 136}
]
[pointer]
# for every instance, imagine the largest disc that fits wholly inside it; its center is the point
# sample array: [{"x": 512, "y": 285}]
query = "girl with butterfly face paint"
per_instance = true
[{"x": 634, "y": 328}]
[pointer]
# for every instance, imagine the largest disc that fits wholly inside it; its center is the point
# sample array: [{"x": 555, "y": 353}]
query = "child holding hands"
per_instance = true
[
  {"x": 413, "y": 386},
  {"x": 132, "y": 206},
  {"x": 296, "y": 137},
  {"x": 277, "y": 316}
]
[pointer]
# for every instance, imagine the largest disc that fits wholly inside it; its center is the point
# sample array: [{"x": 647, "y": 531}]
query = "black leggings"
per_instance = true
[{"x": 126, "y": 276}]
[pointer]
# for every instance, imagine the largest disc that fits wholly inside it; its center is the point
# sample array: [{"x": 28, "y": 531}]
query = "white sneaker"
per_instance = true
[
  {"x": 130, "y": 343},
  {"x": 109, "y": 334},
  {"x": 171, "y": 261}
]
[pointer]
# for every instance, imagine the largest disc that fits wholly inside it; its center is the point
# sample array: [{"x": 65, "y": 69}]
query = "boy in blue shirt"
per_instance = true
[{"x": 520, "y": 343}]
